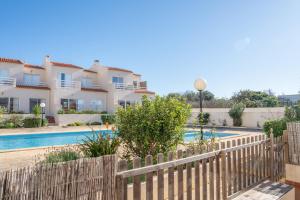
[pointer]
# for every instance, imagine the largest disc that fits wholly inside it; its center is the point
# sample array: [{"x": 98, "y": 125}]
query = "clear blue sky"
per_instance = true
[{"x": 233, "y": 44}]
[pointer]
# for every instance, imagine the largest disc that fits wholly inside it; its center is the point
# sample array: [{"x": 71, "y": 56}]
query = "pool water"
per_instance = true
[{"x": 8, "y": 142}]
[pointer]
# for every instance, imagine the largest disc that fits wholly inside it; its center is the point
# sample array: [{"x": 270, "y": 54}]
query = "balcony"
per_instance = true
[
  {"x": 90, "y": 85},
  {"x": 32, "y": 83},
  {"x": 8, "y": 81},
  {"x": 124, "y": 86},
  {"x": 68, "y": 84}
]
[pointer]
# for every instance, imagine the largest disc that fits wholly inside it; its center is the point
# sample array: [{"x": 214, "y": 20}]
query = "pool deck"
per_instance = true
[{"x": 25, "y": 157}]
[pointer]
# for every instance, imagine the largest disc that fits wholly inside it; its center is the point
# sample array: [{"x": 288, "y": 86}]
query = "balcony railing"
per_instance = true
[
  {"x": 8, "y": 81},
  {"x": 124, "y": 86},
  {"x": 91, "y": 86},
  {"x": 68, "y": 84},
  {"x": 32, "y": 83}
]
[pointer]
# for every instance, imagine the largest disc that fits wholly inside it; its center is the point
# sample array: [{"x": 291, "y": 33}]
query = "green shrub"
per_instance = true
[
  {"x": 61, "y": 156},
  {"x": 33, "y": 122},
  {"x": 278, "y": 126},
  {"x": 37, "y": 110},
  {"x": 154, "y": 126},
  {"x": 106, "y": 118},
  {"x": 72, "y": 111},
  {"x": 292, "y": 113},
  {"x": 204, "y": 119},
  {"x": 236, "y": 113},
  {"x": 99, "y": 145},
  {"x": 14, "y": 121},
  {"x": 95, "y": 123}
]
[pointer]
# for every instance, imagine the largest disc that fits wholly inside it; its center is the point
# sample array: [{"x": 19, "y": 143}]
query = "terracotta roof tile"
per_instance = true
[
  {"x": 33, "y": 66},
  {"x": 94, "y": 90},
  {"x": 8, "y": 60},
  {"x": 119, "y": 69},
  {"x": 91, "y": 71},
  {"x": 144, "y": 92},
  {"x": 59, "y": 64},
  {"x": 33, "y": 87}
]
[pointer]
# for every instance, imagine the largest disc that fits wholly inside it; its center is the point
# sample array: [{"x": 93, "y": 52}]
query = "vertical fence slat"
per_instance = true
[
  {"x": 234, "y": 169},
  {"x": 256, "y": 161},
  {"x": 229, "y": 175},
  {"x": 204, "y": 179},
  {"x": 171, "y": 178},
  {"x": 224, "y": 181},
  {"x": 272, "y": 155},
  {"x": 149, "y": 179},
  {"x": 109, "y": 164},
  {"x": 137, "y": 180},
  {"x": 189, "y": 177},
  {"x": 239, "y": 167},
  {"x": 122, "y": 182},
  {"x": 218, "y": 177},
  {"x": 160, "y": 178},
  {"x": 244, "y": 164},
  {"x": 248, "y": 164},
  {"x": 180, "y": 176},
  {"x": 197, "y": 179},
  {"x": 252, "y": 162},
  {"x": 211, "y": 179}
]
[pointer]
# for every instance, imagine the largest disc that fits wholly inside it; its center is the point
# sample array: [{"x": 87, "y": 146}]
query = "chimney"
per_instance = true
[{"x": 47, "y": 60}]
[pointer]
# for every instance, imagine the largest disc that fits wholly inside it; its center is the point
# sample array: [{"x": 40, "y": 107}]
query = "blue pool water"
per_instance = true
[{"x": 8, "y": 142}]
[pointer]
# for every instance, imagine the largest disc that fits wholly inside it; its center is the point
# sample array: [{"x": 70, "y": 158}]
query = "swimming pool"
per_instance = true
[{"x": 9, "y": 142}]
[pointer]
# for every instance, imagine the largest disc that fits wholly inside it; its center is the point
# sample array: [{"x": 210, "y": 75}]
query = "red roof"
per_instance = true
[
  {"x": 33, "y": 87},
  {"x": 8, "y": 60},
  {"x": 65, "y": 65},
  {"x": 91, "y": 71},
  {"x": 94, "y": 90},
  {"x": 137, "y": 74},
  {"x": 33, "y": 66},
  {"x": 144, "y": 92},
  {"x": 119, "y": 69}
]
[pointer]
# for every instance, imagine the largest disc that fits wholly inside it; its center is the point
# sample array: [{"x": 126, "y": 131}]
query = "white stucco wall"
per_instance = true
[
  {"x": 66, "y": 119},
  {"x": 252, "y": 117}
]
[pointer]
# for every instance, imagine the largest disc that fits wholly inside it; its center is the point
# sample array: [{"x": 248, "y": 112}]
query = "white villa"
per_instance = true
[{"x": 67, "y": 86}]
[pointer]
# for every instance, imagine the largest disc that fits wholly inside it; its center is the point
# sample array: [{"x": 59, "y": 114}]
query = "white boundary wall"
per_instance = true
[
  {"x": 252, "y": 117},
  {"x": 65, "y": 119}
]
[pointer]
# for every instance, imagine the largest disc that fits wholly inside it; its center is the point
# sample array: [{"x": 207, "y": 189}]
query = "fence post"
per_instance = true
[
  {"x": 272, "y": 155},
  {"x": 286, "y": 146},
  {"x": 109, "y": 177},
  {"x": 223, "y": 175}
]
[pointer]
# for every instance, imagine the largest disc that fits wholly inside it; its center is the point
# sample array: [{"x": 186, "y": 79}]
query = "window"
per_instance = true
[
  {"x": 65, "y": 79},
  {"x": 124, "y": 103},
  {"x": 10, "y": 104},
  {"x": 80, "y": 105},
  {"x": 68, "y": 104},
  {"x": 33, "y": 102},
  {"x": 4, "y": 73},
  {"x": 31, "y": 79},
  {"x": 96, "y": 105},
  {"x": 86, "y": 82},
  {"x": 117, "y": 79}
]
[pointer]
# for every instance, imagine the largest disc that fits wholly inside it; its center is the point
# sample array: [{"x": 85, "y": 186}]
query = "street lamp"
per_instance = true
[
  {"x": 43, "y": 110},
  {"x": 200, "y": 85}
]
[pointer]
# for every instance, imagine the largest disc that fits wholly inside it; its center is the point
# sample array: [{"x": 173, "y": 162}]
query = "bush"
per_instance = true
[
  {"x": 292, "y": 113},
  {"x": 99, "y": 145},
  {"x": 154, "y": 126},
  {"x": 278, "y": 127},
  {"x": 37, "y": 110},
  {"x": 14, "y": 121},
  {"x": 106, "y": 118},
  {"x": 76, "y": 124},
  {"x": 204, "y": 119},
  {"x": 33, "y": 122},
  {"x": 61, "y": 156},
  {"x": 236, "y": 113},
  {"x": 72, "y": 111},
  {"x": 94, "y": 123}
]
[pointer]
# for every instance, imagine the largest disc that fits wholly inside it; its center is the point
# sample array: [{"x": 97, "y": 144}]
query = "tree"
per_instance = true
[
  {"x": 154, "y": 126},
  {"x": 255, "y": 99},
  {"x": 236, "y": 113}
]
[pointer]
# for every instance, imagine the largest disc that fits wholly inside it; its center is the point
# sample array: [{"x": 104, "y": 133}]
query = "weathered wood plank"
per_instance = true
[
  {"x": 211, "y": 179},
  {"x": 229, "y": 161},
  {"x": 170, "y": 178},
  {"x": 197, "y": 180},
  {"x": 224, "y": 178},
  {"x": 137, "y": 180},
  {"x": 234, "y": 169},
  {"x": 204, "y": 179},
  {"x": 218, "y": 177},
  {"x": 244, "y": 165},
  {"x": 239, "y": 167},
  {"x": 160, "y": 178},
  {"x": 189, "y": 188},
  {"x": 180, "y": 176},
  {"x": 149, "y": 179}
]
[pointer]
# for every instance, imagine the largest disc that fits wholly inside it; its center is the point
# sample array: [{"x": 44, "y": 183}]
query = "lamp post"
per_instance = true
[
  {"x": 43, "y": 110},
  {"x": 200, "y": 85}
]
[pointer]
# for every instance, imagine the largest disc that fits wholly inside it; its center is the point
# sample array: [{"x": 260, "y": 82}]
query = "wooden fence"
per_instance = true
[
  {"x": 80, "y": 179},
  {"x": 293, "y": 131},
  {"x": 234, "y": 166}
]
